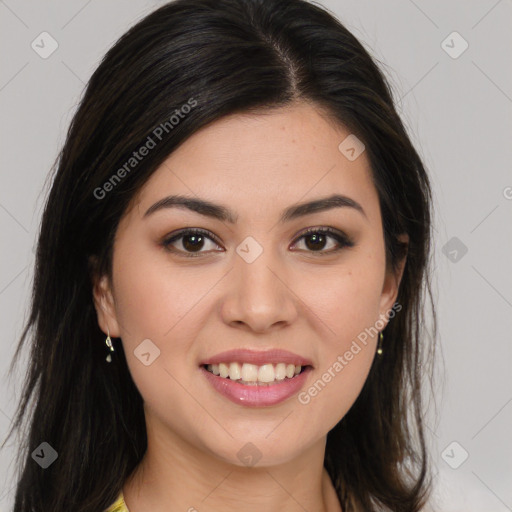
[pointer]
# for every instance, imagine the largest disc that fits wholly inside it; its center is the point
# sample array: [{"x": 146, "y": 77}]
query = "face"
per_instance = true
[{"x": 254, "y": 282}]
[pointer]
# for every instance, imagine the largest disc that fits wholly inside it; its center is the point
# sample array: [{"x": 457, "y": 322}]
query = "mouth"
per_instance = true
[{"x": 255, "y": 378}]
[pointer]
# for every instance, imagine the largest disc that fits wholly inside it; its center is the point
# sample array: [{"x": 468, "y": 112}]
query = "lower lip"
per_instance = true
[{"x": 257, "y": 396}]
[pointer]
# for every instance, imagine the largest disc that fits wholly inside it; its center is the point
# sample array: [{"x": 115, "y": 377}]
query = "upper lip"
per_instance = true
[{"x": 258, "y": 357}]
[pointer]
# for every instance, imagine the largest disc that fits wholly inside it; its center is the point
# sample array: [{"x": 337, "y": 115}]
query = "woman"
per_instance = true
[{"x": 230, "y": 277}]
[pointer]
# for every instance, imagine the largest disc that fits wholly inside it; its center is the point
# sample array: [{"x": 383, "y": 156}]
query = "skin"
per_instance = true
[{"x": 298, "y": 300}]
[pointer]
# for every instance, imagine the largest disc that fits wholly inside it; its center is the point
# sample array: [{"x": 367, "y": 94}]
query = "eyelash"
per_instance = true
[{"x": 341, "y": 238}]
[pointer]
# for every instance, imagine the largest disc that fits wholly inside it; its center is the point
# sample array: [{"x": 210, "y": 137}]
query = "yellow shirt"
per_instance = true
[{"x": 119, "y": 505}]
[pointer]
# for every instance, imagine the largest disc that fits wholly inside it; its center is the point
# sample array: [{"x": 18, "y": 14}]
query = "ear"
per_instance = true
[
  {"x": 104, "y": 305},
  {"x": 392, "y": 280}
]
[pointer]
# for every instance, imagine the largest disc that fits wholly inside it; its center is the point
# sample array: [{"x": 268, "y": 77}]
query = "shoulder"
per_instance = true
[{"x": 119, "y": 505}]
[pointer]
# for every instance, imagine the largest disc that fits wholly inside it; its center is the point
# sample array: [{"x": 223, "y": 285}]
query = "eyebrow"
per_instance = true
[{"x": 224, "y": 214}]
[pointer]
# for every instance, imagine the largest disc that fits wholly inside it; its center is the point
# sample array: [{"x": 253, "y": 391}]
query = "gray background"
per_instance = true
[{"x": 458, "y": 111}]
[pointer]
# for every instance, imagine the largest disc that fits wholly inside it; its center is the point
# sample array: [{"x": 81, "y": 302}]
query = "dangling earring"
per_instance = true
[
  {"x": 379, "y": 345},
  {"x": 108, "y": 342}
]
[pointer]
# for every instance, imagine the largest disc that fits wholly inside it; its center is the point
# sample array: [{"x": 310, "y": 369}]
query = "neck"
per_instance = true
[{"x": 175, "y": 475}]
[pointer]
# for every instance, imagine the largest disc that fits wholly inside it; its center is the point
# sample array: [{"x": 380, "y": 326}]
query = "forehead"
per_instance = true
[{"x": 257, "y": 162}]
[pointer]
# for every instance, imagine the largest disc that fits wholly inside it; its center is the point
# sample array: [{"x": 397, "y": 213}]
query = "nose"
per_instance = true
[{"x": 260, "y": 296}]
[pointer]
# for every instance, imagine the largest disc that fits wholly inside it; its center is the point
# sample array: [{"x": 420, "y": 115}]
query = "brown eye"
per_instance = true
[
  {"x": 316, "y": 240},
  {"x": 191, "y": 241}
]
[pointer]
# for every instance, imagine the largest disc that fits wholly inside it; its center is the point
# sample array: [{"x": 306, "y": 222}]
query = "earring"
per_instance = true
[
  {"x": 379, "y": 345},
  {"x": 108, "y": 342}
]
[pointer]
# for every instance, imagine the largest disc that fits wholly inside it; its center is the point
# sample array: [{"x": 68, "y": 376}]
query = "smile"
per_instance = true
[{"x": 256, "y": 378}]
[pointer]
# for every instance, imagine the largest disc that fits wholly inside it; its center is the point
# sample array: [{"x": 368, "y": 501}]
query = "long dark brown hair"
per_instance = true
[{"x": 219, "y": 57}]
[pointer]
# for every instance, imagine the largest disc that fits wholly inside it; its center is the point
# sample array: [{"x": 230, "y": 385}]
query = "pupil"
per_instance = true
[
  {"x": 194, "y": 245},
  {"x": 318, "y": 241}
]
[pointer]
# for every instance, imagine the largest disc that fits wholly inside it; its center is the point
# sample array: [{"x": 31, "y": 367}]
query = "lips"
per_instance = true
[
  {"x": 258, "y": 358},
  {"x": 257, "y": 394}
]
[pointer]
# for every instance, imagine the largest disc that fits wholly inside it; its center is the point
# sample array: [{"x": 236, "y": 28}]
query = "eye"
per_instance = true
[
  {"x": 190, "y": 240},
  {"x": 316, "y": 239}
]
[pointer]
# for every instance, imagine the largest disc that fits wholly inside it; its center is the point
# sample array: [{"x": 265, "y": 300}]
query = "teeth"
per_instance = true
[
  {"x": 280, "y": 371},
  {"x": 235, "y": 371},
  {"x": 266, "y": 373},
  {"x": 249, "y": 372},
  {"x": 253, "y": 374},
  {"x": 224, "y": 370}
]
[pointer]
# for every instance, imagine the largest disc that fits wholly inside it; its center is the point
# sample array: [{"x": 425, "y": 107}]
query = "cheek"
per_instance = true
[
  {"x": 157, "y": 302},
  {"x": 345, "y": 298},
  {"x": 345, "y": 356},
  {"x": 346, "y": 303},
  {"x": 151, "y": 296},
  {"x": 328, "y": 397}
]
